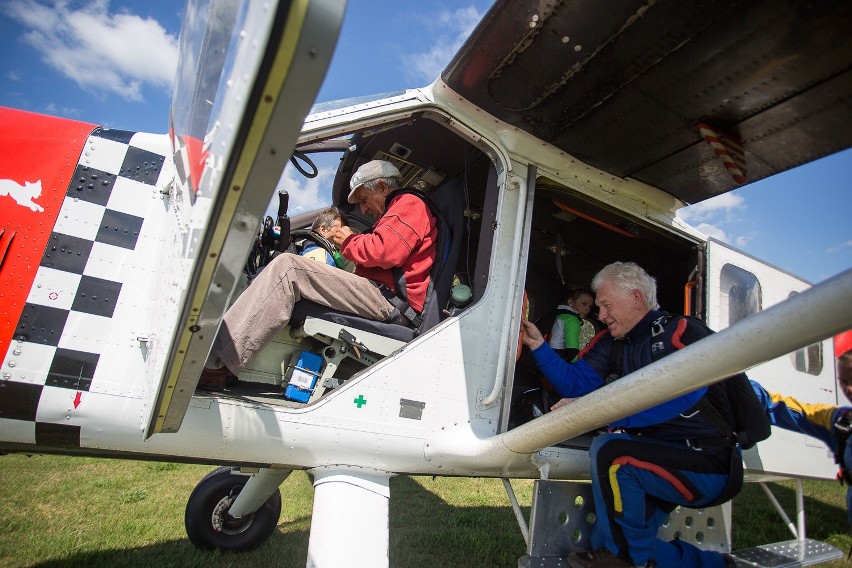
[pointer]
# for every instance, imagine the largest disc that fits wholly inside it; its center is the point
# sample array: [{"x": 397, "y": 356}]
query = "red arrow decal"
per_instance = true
[{"x": 77, "y": 398}]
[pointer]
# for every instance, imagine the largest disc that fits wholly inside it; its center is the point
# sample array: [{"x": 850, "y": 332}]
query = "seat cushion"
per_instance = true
[{"x": 305, "y": 308}]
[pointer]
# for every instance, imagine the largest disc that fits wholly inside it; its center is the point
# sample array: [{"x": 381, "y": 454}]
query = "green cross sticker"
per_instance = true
[{"x": 360, "y": 401}]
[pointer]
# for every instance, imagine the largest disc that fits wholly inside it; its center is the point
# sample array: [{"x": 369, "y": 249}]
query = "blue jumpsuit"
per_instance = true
[
  {"x": 815, "y": 420},
  {"x": 648, "y": 463}
]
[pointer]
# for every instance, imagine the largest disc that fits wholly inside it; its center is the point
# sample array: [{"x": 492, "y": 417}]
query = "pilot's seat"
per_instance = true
[{"x": 366, "y": 341}]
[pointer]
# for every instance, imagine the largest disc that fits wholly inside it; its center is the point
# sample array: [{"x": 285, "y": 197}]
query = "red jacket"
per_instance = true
[{"x": 404, "y": 236}]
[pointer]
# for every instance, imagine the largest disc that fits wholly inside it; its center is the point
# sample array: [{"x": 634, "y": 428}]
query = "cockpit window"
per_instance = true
[
  {"x": 342, "y": 103},
  {"x": 308, "y": 178}
]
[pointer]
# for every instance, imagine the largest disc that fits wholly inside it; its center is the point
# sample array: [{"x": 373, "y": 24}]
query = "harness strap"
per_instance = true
[
  {"x": 842, "y": 430},
  {"x": 400, "y": 300},
  {"x": 703, "y": 406},
  {"x": 443, "y": 241},
  {"x": 713, "y": 444},
  {"x": 615, "y": 361},
  {"x": 401, "y": 308},
  {"x": 706, "y": 408},
  {"x": 559, "y": 247},
  {"x": 329, "y": 248}
]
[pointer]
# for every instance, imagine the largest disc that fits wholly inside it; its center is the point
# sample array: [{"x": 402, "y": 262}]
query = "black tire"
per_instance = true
[{"x": 208, "y": 524}]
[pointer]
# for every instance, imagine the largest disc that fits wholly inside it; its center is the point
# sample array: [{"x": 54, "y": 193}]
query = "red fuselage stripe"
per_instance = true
[{"x": 40, "y": 154}]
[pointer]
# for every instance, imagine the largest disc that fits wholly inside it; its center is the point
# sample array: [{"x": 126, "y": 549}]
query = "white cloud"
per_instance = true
[
  {"x": 842, "y": 247},
  {"x": 713, "y": 231},
  {"x": 60, "y": 110},
  {"x": 716, "y": 216},
  {"x": 720, "y": 206},
  {"x": 452, "y": 29},
  {"x": 13, "y": 76},
  {"x": 99, "y": 50}
]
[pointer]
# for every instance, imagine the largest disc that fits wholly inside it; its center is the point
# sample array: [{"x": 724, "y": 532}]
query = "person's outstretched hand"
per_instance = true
[{"x": 532, "y": 337}]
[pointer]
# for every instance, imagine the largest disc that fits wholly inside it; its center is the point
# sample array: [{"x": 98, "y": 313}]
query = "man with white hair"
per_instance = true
[
  {"x": 399, "y": 248},
  {"x": 644, "y": 464}
]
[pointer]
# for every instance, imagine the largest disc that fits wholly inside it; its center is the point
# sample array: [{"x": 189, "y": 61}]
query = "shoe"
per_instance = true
[
  {"x": 214, "y": 380},
  {"x": 600, "y": 558}
]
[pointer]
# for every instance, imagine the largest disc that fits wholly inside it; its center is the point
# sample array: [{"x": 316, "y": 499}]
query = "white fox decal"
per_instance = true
[{"x": 22, "y": 194}]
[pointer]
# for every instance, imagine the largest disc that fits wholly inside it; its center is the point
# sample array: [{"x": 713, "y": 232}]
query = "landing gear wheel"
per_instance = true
[{"x": 208, "y": 524}]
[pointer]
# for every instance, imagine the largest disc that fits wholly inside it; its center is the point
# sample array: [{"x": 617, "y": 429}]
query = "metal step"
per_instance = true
[
  {"x": 787, "y": 553},
  {"x": 563, "y": 513}
]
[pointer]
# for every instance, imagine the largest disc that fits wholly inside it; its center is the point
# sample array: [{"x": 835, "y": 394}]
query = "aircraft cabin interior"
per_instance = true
[{"x": 570, "y": 236}]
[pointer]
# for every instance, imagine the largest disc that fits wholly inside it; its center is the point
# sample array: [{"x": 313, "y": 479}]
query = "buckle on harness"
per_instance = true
[
  {"x": 401, "y": 309},
  {"x": 658, "y": 326},
  {"x": 843, "y": 423}
]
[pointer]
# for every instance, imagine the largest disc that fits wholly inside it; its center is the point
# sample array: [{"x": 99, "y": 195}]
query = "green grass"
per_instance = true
[{"x": 69, "y": 512}]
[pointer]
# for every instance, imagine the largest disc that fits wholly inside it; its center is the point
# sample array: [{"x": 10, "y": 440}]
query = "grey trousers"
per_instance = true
[{"x": 264, "y": 308}]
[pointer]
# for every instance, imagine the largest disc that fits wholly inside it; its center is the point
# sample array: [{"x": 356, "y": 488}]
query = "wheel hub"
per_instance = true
[{"x": 225, "y": 523}]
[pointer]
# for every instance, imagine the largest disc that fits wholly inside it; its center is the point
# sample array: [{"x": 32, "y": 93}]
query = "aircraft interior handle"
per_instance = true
[
  {"x": 283, "y": 240},
  {"x": 687, "y": 296}
]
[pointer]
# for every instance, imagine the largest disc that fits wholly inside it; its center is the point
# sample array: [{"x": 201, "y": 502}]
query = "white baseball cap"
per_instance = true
[{"x": 374, "y": 169}]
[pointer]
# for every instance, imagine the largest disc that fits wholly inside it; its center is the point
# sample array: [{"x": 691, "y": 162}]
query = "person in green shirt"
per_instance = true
[{"x": 571, "y": 330}]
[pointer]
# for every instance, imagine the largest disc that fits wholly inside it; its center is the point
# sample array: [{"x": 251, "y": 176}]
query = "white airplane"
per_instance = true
[{"x": 561, "y": 137}]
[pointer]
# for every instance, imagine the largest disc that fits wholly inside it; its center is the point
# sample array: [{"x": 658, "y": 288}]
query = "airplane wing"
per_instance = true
[{"x": 695, "y": 98}]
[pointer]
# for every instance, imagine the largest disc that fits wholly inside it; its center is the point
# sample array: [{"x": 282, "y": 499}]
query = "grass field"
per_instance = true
[{"x": 70, "y": 512}]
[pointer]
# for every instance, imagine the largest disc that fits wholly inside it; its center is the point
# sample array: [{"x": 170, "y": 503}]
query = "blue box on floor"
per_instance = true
[{"x": 303, "y": 377}]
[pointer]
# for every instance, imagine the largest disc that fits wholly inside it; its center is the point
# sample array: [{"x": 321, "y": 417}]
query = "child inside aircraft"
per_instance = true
[
  {"x": 571, "y": 330},
  {"x": 318, "y": 244}
]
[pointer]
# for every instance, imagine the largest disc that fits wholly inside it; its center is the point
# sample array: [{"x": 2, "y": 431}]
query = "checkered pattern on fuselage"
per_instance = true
[{"x": 64, "y": 330}]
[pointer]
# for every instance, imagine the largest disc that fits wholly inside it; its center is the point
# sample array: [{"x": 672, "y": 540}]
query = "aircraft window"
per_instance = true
[
  {"x": 808, "y": 359},
  {"x": 307, "y": 193},
  {"x": 741, "y": 294},
  {"x": 342, "y": 103}
]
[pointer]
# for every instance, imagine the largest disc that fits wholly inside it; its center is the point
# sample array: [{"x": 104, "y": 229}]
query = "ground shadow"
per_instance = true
[
  {"x": 427, "y": 531},
  {"x": 281, "y": 550},
  {"x": 424, "y": 531},
  {"x": 461, "y": 537}
]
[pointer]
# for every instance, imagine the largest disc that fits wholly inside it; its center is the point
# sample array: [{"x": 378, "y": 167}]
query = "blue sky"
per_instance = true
[{"x": 112, "y": 64}]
